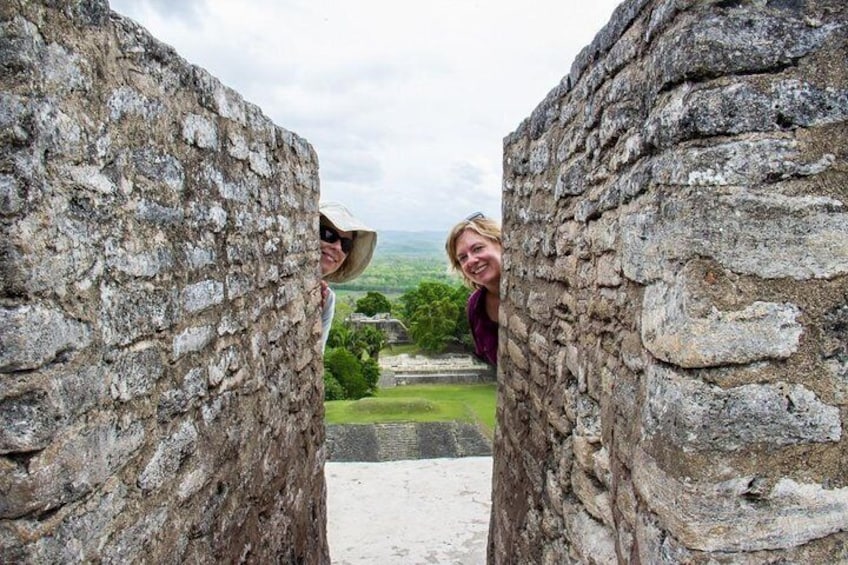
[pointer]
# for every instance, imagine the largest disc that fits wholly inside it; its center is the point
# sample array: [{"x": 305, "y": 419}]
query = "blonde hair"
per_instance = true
[{"x": 486, "y": 227}]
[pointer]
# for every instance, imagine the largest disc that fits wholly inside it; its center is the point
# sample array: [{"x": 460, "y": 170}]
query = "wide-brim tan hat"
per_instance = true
[{"x": 363, "y": 244}]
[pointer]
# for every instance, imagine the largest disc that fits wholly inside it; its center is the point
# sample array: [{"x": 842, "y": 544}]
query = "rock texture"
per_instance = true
[
  {"x": 160, "y": 385},
  {"x": 673, "y": 348}
]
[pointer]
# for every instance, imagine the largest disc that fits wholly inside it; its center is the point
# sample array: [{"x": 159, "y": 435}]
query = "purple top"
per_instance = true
[{"x": 483, "y": 329}]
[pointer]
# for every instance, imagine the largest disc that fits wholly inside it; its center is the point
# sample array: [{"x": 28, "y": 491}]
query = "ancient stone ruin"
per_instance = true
[
  {"x": 392, "y": 328},
  {"x": 160, "y": 384},
  {"x": 674, "y": 352},
  {"x": 673, "y": 377}
]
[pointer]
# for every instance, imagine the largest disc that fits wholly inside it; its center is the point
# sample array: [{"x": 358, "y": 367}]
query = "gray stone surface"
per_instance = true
[
  {"x": 672, "y": 372},
  {"x": 160, "y": 378},
  {"x": 398, "y": 441},
  {"x": 413, "y": 511}
]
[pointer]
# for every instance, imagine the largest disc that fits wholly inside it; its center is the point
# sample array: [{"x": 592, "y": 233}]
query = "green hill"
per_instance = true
[
  {"x": 403, "y": 259},
  {"x": 392, "y": 243}
]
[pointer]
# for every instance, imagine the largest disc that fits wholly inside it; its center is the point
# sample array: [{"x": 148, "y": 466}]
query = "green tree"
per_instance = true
[
  {"x": 333, "y": 390},
  {"x": 371, "y": 373},
  {"x": 370, "y": 340},
  {"x": 340, "y": 336},
  {"x": 462, "y": 333},
  {"x": 373, "y": 303},
  {"x": 433, "y": 323},
  {"x": 347, "y": 370},
  {"x": 434, "y": 312}
]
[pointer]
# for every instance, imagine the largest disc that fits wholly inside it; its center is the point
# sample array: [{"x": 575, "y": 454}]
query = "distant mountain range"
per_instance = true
[{"x": 410, "y": 243}]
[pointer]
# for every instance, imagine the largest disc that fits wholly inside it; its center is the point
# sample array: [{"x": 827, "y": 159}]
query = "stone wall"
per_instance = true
[
  {"x": 404, "y": 440},
  {"x": 160, "y": 386},
  {"x": 393, "y": 328},
  {"x": 405, "y": 369},
  {"x": 674, "y": 346}
]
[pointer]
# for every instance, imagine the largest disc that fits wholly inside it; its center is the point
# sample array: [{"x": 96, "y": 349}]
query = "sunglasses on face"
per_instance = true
[{"x": 330, "y": 235}]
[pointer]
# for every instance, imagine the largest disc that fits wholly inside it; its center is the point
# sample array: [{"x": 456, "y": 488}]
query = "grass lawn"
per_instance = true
[{"x": 420, "y": 403}]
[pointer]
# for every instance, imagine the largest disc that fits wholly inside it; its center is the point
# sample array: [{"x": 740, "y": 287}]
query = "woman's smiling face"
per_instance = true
[
  {"x": 332, "y": 256},
  {"x": 480, "y": 258}
]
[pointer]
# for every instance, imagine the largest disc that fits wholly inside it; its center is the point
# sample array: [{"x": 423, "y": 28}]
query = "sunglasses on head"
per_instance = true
[
  {"x": 330, "y": 235},
  {"x": 475, "y": 216}
]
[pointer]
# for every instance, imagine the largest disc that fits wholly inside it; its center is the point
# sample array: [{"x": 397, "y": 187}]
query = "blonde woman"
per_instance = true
[
  {"x": 474, "y": 248},
  {"x": 347, "y": 246}
]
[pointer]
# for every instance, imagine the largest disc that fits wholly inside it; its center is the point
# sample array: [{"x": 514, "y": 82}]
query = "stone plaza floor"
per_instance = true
[{"x": 409, "y": 512}]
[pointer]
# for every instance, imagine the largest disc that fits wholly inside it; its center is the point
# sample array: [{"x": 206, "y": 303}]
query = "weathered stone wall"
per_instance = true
[
  {"x": 674, "y": 351},
  {"x": 160, "y": 390}
]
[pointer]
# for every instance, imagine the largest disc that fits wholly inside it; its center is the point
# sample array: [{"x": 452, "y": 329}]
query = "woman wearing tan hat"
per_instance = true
[{"x": 347, "y": 246}]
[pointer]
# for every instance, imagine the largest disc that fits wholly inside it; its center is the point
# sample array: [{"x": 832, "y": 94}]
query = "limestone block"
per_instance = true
[
  {"x": 202, "y": 295},
  {"x": 601, "y": 466},
  {"x": 602, "y": 235},
  {"x": 124, "y": 546},
  {"x": 200, "y": 131},
  {"x": 238, "y": 284},
  {"x": 11, "y": 191},
  {"x": 517, "y": 327},
  {"x": 594, "y": 498},
  {"x": 75, "y": 462},
  {"x": 739, "y": 163},
  {"x": 588, "y": 419},
  {"x": 27, "y": 421},
  {"x": 180, "y": 400},
  {"x": 571, "y": 179},
  {"x": 226, "y": 189},
  {"x": 672, "y": 332},
  {"x": 237, "y": 146},
  {"x": 805, "y": 237},
  {"x": 584, "y": 451},
  {"x": 154, "y": 213},
  {"x": 135, "y": 311},
  {"x": 713, "y": 45},
  {"x": 538, "y": 306},
  {"x": 695, "y": 112},
  {"x": 608, "y": 270},
  {"x": 134, "y": 373},
  {"x": 516, "y": 355},
  {"x": 34, "y": 335},
  {"x": 720, "y": 517},
  {"x": 593, "y": 541},
  {"x": 616, "y": 120},
  {"x": 539, "y": 346},
  {"x": 159, "y": 168},
  {"x": 192, "y": 339},
  {"x": 126, "y": 101},
  {"x": 209, "y": 216},
  {"x": 91, "y": 178},
  {"x": 694, "y": 416},
  {"x": 80, "y": 539},
  {"x": 79, "y": 390},
  {"x": 199, "y": 255},
  {"x": 144, "y": 264},
  {"x": 168, "y": 457}
]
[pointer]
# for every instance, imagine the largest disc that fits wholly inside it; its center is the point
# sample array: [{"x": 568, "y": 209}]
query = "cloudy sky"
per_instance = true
[{"x": 406, "y": 102}]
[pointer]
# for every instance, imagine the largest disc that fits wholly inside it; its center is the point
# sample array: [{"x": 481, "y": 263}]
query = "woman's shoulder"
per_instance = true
[{"x": 474, "y": 298}]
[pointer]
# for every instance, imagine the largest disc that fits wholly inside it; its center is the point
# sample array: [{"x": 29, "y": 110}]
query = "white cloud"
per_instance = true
[{"x": 406, "y": 103}]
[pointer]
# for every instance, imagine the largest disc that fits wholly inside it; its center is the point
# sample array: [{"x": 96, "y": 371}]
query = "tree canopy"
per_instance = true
[
  {"x": 434, "y": 313},
  {"x": 373, "y": 303}
]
